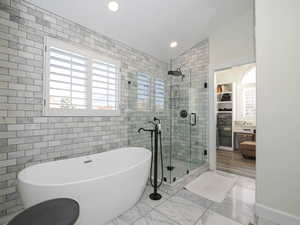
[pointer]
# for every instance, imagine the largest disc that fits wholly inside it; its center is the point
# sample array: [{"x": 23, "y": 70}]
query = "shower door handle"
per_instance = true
[{"x": 193, "y": 119}]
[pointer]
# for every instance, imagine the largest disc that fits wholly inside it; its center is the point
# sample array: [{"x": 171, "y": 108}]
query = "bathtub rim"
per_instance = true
[{"x": 148, "y": 157}]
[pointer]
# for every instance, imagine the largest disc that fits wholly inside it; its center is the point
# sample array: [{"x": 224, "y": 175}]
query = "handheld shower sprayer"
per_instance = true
[
  {"x": 159, "y": 124},
  {"x": 156, "y": 119}
]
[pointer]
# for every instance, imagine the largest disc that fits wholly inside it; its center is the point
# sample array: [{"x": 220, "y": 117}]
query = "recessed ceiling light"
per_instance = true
[
  {"x": 113, "y": 6},
  {"x": 173, "y": 44}
]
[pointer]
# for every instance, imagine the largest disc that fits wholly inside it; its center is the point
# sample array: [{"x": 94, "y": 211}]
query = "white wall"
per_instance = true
[
  {"x": 229, "y": 45},
  {"x": 278, "y": 109},
  {"x": 233, "y": 43}
]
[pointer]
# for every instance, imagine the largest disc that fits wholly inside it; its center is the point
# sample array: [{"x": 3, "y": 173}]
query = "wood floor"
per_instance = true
[{"x": 234, "y": 162}]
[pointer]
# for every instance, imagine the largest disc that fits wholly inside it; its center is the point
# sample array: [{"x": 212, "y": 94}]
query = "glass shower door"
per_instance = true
[
  {"x": 198, "y": 127},
  {"x": 188, "y": 126},
  {"x": 180, "y": 127}
]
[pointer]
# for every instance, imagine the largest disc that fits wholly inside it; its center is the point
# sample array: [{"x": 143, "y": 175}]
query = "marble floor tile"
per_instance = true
[
  {"x": 132, "y": 215},
  {"x": 117, "y": 222},
  {"x": 155, "y": 218},
  {"x": 226, "y": 174},
  {"x": 244, "y": 194},
  {"x": 110, "y": 223},
  {"x": 236, "y": 210},
  {"x": 145, "y": 198},
  {"x": 171, "y": 189},
  {"x": 212, "y": 218},
  {"x": 181, "y": 210},
  {"x": 246, "y": 182},
  {"x": 197, "y": 199},
  {"x": 263, "y": 221}
]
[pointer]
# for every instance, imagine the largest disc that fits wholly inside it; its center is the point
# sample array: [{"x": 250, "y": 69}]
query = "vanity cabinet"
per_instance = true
[{"x": 240, "y": 137}]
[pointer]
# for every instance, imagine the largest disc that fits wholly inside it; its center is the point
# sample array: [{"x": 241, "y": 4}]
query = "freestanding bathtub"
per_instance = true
[{"x": 105, "y": 185}]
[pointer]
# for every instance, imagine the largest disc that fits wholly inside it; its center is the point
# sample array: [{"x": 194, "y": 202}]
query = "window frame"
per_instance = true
[
  {"x": 148, "y": 102},
  {"x": 248, "y": 117},
  {"x": 91, "y": 55},
  {"x": 158, "y": 109}
]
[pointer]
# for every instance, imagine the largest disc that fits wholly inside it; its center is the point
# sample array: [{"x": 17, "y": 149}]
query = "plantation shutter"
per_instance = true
[
  {"x": 159, "y": 87},
  {"x": 249, "y": 95},
  {"x": 68, "y": 84},
  {"x": 104, "y": 85},
  {"x": 143, "y": 92},
  {"x": 79, "y": 82}
]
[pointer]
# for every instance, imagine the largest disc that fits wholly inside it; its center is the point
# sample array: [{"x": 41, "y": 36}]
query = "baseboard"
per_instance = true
[{"x": 277, "y": 216}]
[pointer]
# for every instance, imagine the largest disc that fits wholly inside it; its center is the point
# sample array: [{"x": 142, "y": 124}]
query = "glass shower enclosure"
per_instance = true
[
  {"x": 188, "y": 126},
  {"x": 184, "y": 119}
]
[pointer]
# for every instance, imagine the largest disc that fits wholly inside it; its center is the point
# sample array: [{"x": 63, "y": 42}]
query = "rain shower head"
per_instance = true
[{"x": 176, "y": 73}]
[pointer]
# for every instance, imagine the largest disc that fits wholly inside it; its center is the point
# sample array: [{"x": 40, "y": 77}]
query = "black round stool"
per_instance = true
[{"x": 61, "y": 211}]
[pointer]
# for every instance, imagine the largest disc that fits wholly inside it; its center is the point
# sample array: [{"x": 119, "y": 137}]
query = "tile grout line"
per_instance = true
[
  {"x": 166, "y": 216},
  {"x": 153, "y": 208},
  {"x": 202, "y": 214}
]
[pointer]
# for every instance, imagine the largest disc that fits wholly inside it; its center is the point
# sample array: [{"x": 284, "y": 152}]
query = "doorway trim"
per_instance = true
[{"x": 212, "y": 151}]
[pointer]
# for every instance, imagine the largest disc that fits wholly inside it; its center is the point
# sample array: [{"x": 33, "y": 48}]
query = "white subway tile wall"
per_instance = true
[
  {"x": 26, "y": 137},
  {"x": 193, "y": 96}
]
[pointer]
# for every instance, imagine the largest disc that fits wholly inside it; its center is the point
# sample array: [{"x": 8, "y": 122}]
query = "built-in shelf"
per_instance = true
[
  {"x": 224, "y": 102},
  {"x": 224, "y": 112},
  {"x": 225, "y": 92}
]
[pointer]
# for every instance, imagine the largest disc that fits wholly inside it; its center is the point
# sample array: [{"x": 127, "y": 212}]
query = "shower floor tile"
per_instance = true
[{"x": 179, "y": 168}]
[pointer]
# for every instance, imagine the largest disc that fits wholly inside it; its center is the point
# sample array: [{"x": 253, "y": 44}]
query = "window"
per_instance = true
[
  {"x": 104, "y": 86},
  {"x": 143, "y": 92},
  {"x": 79, "y": 82},
  {"x": 68, "y": 74},
  {"x": 250, "y": 77},
  {"x": 249, "y": 99},
  {"x": 159, "y": 95},
  {"x": 249, "y": 94}
]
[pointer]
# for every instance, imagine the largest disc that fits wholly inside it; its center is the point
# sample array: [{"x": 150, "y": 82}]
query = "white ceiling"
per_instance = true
[{"x": 150, "y": 25}]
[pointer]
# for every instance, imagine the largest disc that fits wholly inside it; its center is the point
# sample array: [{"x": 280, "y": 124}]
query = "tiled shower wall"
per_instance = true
[
  {"x": 138, "y": 118},
  {"x": 193, "y": 96},
  {"x": 26, "y": 137}
]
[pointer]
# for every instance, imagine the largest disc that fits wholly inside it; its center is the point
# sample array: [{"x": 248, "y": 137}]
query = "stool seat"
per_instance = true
[
  {"x": 253, "y": 143},
  {"x": 61, "y": 211},
  {"x": 248, "y": 149}
]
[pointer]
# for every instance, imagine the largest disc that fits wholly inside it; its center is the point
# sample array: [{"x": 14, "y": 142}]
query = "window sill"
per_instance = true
[{"x": 76, "y": 113}]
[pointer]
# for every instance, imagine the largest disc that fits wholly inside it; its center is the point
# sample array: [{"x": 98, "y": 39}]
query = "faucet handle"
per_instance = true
[
  {"x": 152, "y": 122},
  {"x": 156, "y": 119}
]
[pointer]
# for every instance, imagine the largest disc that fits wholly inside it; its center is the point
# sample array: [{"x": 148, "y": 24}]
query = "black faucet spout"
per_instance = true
[{"x": 141, "y": 129}]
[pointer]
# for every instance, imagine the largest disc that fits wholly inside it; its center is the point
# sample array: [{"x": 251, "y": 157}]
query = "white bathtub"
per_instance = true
[{"x": 105, "y": 184}]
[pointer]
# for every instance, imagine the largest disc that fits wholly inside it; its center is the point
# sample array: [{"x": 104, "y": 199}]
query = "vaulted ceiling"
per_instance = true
[{"x": 150, "y": 25}]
